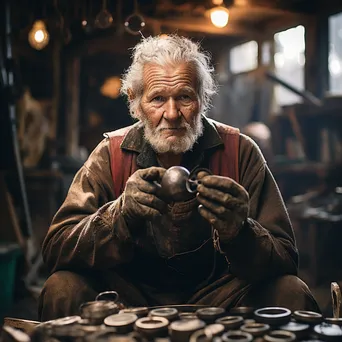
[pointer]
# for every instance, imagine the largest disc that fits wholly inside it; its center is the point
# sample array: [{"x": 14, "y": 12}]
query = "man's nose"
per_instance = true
[{"x": 171, "y": 110}]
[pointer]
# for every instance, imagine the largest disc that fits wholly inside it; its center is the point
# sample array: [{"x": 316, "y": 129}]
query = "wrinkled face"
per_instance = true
[{"x": 169, "y": 107}]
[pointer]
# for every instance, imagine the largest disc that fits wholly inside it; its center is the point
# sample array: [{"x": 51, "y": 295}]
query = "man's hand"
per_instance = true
[
  {"x": 224, "y": 203},
  {"x": 140, "y": 197}
]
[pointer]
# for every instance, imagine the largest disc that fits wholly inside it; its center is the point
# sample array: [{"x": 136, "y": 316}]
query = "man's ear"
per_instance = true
[{"x": 130, "y": 94}]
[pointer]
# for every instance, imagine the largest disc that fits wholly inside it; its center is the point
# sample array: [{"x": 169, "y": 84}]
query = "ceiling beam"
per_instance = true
[{"x": 203, "y": 26}]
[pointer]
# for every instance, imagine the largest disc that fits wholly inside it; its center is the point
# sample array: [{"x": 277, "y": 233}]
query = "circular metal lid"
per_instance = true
[
  {"x": 280, "y": 336},
  {"x": 244, "y": 311},
  {"x": 309, "y": 317},
  {"x": 255, "y": 329},
  {"x": 236, "y": 335},
  {"x": 214, "y": 329},
  {"x": 187, "y": 325},
  {"x": 98, "y": 309},
  {"x": 169, "y": 313},
  {"x": 187, "y": 315},
  {"x": 120, "y": 320},
  {"x": 273, "y": 315},
  {"x": 210, "y": 314},
  {"x": 230, "y": 322},
  {"x": 151, "y": 323},
  {"x": 331, "y": 320}
]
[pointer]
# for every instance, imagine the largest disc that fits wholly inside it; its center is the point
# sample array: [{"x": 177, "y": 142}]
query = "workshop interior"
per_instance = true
[{"x": 278, "y": 65}]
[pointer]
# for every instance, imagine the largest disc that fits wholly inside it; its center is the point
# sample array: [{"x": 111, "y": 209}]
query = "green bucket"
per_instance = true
[{"x": 8, "y": 260}]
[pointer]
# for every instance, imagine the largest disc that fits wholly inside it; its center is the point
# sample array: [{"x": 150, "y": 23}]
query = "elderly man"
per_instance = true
[{"x": 230, "y": 244}]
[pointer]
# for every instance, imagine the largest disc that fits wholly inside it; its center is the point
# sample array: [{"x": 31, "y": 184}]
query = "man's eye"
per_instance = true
[
  {"x": 184, "y": 97},
  {"x": 158, "y": 99}
]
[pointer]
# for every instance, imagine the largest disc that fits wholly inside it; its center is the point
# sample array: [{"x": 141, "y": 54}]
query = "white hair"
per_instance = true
[{"x": 162, "y": 50}]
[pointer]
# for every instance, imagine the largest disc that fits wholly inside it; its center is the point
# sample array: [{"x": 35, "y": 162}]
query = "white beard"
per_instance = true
[{"x": 182, "y": 144}]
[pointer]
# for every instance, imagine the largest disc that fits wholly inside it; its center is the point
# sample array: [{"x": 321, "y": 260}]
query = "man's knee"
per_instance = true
[
  {"x": 287, "y": 291},
  {"x": 62, "y": 294},
  {"x": 289, "y": 284}
]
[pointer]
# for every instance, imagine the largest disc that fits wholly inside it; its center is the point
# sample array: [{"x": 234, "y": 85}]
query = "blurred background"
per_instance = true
[{"x": 279, "y": 68}]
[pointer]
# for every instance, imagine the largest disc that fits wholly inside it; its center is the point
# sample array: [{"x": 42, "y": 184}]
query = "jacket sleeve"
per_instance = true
[
  {"x": 88, "y": 231},
  {"x": 266, "y": 245}
]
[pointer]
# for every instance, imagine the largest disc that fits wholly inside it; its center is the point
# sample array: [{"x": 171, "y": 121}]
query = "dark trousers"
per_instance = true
[{"x": 65, "y": 291}]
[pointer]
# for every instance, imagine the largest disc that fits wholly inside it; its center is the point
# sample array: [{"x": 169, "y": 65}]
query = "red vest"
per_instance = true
[{"x": 224, "y": 162}]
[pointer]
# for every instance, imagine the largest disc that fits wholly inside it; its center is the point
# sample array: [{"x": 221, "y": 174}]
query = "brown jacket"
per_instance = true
[{"x": 88, "y": 231}]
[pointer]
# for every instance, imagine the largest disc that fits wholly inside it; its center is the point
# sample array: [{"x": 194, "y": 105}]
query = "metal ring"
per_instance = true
[
  {"x": 336, "y": 299},
  {"x": 273, "y": 315},
  {"x": 280, "y": 336},
  {"x": 236, "y": 335},
  {"x": 198, "y": 335},
  {"x": 107, "y": 293},
  {"x": 230, "y": 322},
  {"x": 309, "y": 317},
  {"x": 330, "y": 320},
  {"x": 151, "y": 323},
  {"x": 255, "y": 329}
]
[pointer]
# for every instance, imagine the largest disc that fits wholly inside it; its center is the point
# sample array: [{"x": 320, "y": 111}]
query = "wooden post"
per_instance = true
[
  {"x": 56, "y": 70},
  {"x": 72, "y": 105}
]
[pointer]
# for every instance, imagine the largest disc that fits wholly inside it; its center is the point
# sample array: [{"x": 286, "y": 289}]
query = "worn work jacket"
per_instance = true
[{"x": 175, "y": 252}]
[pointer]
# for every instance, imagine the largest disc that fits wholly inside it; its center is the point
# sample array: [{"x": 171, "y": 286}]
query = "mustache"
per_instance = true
[{"x": 183, "y": 125}]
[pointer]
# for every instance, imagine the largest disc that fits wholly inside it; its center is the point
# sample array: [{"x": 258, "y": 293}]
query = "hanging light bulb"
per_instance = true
[
  {"x": 219, "y": 16},
  {"x": 38, "y": 36},
  {"x": 104, "y": 19},
  {"x": 135, "y": 22}
]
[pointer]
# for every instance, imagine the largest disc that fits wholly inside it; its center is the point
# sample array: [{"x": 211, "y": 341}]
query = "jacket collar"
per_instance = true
[{"x": 134, "y": 141}]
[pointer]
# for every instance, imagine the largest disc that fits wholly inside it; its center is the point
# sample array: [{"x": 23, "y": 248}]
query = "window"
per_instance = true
[
  {"x": 335, "y": 54},
  {"x": 244, "y": 57},
  {"x": 289, "y": 60}
]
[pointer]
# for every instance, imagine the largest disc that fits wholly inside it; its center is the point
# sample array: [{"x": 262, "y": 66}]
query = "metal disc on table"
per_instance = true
[
  {"x": 97, "y": 311},
  {"x": 210, "y": 314},
  {"x": 182, "y": 330},
  {"x": 328, "y": 332},
  {"x": 236, "y": 335},
  {"x": 308, "y": 317},
  {"x": 122, "y": 322},
  {"x": 332, "y": 320},
  {"x": 187, "y": 315},
  {"x": 215, "y": 329},
  {"x": 66, "y": 320},
  {"x": 280, "y": 336},
  {"x": 170, "y": 314},
  {"x": 139, "y": 311},
  {"x": 200, "y": 336},
  {"x": 151, "y": 326},
  {"x": 230, "y": 322},
  {"x": 243, "y": 311},
  {"x": 273, "y": 316},
  {"x": 255, "y": 329},
  {"x": 301, "y": 330}
]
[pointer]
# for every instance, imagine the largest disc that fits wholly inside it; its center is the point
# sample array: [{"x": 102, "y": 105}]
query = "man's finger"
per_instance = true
[
  {"x": 218, "y": 209},
  {"x": 208, "y": 215},
  {"x": 147, "y": 187},
  {"x": 225, "y": 184},
  {"x": 148, "y": 213},
  {"x": 151, "y": 201},
  {"x": 152, "y": 174},
  {"x": 222, "y": 198}
]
